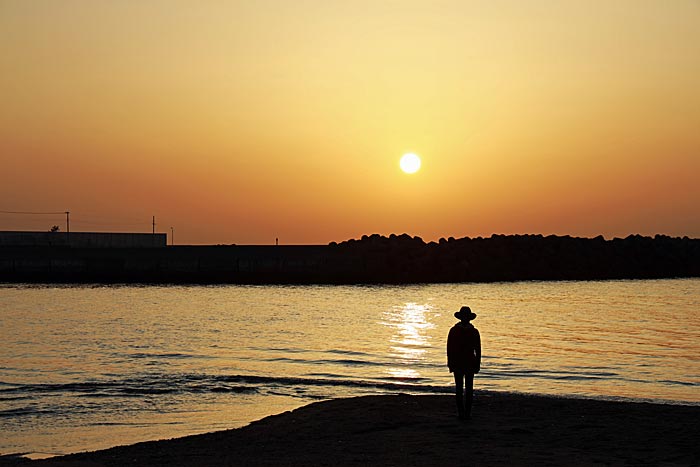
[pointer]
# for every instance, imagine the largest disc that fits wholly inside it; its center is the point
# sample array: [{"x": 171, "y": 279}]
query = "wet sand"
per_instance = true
[{"x": 402, "y": 430}]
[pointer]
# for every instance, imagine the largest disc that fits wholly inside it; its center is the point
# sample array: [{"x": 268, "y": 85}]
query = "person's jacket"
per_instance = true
[{"x": 464, "y": 348}]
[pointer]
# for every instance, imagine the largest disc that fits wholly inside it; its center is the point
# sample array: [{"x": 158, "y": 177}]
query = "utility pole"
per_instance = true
[
  {"x": 154, "y": 225},
  {"x": 172, "y": 236},
  {"x": 67, "y": 221}
]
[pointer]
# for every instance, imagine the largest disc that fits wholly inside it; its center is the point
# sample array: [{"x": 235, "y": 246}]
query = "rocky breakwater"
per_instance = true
[{"x": 373, "y": 259}]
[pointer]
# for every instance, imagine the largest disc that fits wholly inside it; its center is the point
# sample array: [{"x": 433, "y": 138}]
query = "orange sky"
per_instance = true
[{"x": 240, "y": 122}]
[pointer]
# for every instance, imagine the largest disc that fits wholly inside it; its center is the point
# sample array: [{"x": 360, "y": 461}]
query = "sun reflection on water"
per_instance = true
[{"x": 410, "y": 340}]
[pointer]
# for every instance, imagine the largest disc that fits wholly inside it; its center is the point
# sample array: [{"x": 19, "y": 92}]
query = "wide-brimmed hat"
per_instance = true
[{"x": 465, "y": 313}]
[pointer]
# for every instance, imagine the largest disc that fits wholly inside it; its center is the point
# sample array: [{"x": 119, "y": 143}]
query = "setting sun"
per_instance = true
[{"x": 410, "y": 163}]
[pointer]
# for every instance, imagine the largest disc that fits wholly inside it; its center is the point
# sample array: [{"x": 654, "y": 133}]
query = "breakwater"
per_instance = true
[{"x": 372, "y": 259}]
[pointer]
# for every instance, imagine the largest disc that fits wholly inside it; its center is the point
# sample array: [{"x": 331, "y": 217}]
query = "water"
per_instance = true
[{"x": 84, "y": 368}]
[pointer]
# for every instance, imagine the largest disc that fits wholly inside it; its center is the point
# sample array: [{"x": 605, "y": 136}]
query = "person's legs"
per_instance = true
[
  {"x": 468, "y": 392},
  {"x": 459, "y": 392}
]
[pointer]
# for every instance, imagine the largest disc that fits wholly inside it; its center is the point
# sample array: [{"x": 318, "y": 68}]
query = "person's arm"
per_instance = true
[
  {"x": 478, "y": 352},
  {"x": 450, "y": 350}
]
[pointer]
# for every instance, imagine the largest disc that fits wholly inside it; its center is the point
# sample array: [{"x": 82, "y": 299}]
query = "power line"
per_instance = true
[
  {"x": 80, "y": 221},
  {"x": 28, "y": 212},
  {"x": 111, "y": 224}
]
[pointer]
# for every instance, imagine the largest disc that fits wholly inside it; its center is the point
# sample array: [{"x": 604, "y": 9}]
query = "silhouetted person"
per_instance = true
[{"x": 464, "y": 359}]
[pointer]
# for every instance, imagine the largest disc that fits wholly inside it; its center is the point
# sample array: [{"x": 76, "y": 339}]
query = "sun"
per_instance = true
[{"x": 410, "y": 163}]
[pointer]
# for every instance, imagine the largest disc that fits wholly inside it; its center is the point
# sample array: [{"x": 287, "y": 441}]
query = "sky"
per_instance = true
[{"x": 242, "y": 122}]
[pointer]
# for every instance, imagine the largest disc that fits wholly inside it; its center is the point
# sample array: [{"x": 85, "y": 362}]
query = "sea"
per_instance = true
[{"x": 85, "y": 367}]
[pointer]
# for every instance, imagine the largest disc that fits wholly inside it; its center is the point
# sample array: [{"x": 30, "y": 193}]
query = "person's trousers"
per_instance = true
[{"x": 464, "y": 392}]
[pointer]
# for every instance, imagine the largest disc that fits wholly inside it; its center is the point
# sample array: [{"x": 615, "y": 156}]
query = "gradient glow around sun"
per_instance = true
[{"x": 410, "y": 163}]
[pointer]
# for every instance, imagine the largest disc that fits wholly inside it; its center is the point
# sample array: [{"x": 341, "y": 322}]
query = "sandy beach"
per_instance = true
[{"x": 505, "y": 429}]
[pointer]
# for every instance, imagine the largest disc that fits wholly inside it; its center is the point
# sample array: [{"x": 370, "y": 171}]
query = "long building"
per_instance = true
[{"x": 82, "y": 239}]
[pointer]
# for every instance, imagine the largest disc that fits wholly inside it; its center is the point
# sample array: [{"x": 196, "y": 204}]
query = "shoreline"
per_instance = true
[{"x": 506, "y": 429}]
